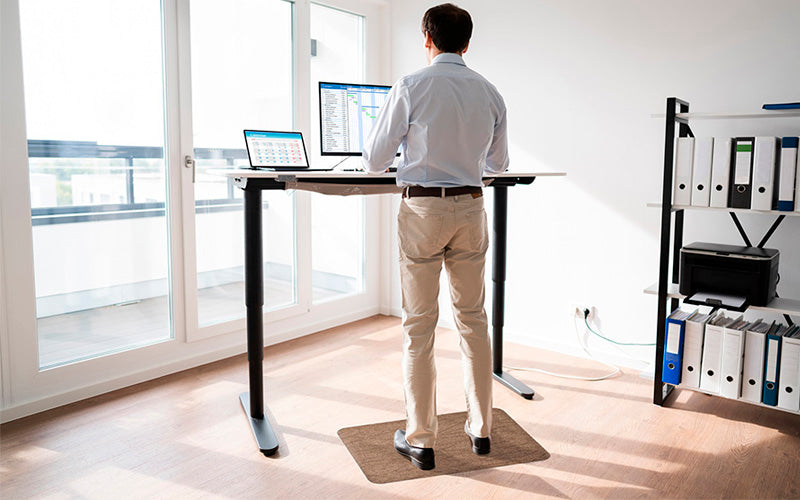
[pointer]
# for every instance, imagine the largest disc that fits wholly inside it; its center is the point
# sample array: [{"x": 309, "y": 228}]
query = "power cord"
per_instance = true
[
  {"x": 586, "y": 320},
  {"x": 580, "y": 341}
]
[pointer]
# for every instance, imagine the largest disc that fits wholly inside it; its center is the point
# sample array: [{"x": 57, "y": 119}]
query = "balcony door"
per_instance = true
[
  {"x": 239, "y": 76},
  {"x": 121, "y": 261},
  {"x": 95, "y": 116}
]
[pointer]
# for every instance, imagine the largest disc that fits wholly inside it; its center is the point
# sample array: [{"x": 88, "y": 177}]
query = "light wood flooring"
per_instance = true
[{"x": 185, "y": 435}]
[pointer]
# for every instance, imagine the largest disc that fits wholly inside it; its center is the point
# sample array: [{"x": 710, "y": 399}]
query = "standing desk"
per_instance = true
[{"x": 252, "y": 182}]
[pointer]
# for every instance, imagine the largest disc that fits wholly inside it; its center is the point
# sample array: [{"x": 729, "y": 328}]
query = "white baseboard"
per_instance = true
[
  {"x": 53, "y": 401},
  {"x": 573, "y": 349}
]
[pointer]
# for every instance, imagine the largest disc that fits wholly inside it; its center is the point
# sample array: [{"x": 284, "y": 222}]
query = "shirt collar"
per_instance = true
[{"x": 448, "y": 57}]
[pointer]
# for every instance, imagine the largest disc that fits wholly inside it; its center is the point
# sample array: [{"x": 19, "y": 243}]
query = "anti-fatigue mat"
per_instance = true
[{"x": 372, "y": 448}]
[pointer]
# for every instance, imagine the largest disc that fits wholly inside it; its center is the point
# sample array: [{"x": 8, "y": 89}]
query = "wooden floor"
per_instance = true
[{"x": 185, "y": 435}]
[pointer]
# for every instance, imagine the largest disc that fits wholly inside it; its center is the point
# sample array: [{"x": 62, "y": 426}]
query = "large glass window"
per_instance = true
[
  {"x": 337, "y": 222},
  {"x": 95, "y": 124},
  {"x": 241, "y": 79}
]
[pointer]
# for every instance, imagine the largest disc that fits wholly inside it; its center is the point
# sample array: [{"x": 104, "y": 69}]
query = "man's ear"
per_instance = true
[
  {"x": 428, "y": 40},
  {"x": 465, "y": 49}
]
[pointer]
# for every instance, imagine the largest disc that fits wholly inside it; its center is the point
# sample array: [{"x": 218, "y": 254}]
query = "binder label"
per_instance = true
[
  {"x": 673, "y": 338},
  {"x": 742, "y": 174},
  {"x": 772, "y": 360}
]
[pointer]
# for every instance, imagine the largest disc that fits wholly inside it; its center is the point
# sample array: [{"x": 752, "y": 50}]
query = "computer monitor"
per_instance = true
[
  {"x": 276, "y": 150},
  {"x": 346, "y": 114}
]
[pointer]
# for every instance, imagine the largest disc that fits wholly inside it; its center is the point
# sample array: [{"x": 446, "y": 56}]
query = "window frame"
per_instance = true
[{"x": 25, "y": 388}]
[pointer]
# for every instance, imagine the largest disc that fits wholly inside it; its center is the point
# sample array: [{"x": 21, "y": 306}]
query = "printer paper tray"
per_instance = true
[{"x": 731, "y": 302}]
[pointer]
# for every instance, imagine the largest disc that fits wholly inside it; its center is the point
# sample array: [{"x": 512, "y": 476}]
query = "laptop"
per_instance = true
[{"x": 279, "y": 151}]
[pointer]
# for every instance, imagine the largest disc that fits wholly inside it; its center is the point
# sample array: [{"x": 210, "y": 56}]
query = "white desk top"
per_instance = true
[{"x": 340, "y": 174}]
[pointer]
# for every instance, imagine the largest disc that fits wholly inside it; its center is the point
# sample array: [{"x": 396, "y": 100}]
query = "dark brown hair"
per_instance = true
[{"x": 449, "y": 25}]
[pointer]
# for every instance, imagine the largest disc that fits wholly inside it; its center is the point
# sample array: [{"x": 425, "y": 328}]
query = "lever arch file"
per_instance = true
[
  {"x": 721, "y": 172},
  {"x": 684, "y": 152},
  {"x": 742, "y": 172},
  {"x": 765, "y": 162},
  {"x": 753, "y": 367},
  {"x": 701, "y": 171}
]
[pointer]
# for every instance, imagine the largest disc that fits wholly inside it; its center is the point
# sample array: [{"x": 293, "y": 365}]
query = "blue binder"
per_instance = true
[
  {"x": 772, "y": 361},
  {"x": 673, "y": 347},
  {"x": 787, "y": 175},
  {"x": 781, "y": 105}
]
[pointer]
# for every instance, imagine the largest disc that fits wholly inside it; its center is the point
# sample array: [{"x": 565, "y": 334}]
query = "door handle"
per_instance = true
[{"x": 189, "y": 162}]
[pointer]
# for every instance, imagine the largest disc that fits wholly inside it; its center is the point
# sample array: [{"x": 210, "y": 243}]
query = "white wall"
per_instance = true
[{"x": 581, "y": 80}]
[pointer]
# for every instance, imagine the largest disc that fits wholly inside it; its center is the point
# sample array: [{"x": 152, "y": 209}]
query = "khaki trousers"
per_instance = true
[{"x": 453, "y": 230}]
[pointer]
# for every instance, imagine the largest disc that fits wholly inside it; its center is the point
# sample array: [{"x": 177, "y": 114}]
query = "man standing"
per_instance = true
[{"x": 451, "y": 123}]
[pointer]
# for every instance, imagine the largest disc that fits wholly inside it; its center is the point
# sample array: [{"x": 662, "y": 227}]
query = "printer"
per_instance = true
[{"x": 733, "y": 277}]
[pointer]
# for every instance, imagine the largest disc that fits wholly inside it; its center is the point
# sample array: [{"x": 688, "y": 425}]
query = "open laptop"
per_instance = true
[{"x": 280, "y": 151}]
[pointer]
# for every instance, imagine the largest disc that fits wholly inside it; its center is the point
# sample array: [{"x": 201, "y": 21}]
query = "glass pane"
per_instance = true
[
  {"x": 337, "y": 222},
  {"x": 95, "y": 117},
  {"x": 241, "y": 78}
]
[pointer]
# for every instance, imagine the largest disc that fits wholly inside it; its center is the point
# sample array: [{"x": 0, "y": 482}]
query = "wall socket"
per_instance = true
[{"x": 593, "y": 315}]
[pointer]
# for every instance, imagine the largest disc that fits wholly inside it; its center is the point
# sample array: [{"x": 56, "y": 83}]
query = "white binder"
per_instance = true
[
  {"x": 721, "y": 172},
  {"x": 789, "y": 379},
  {"x": 764, "y": 165},
  {"x": 712, "y": 355},
  {"x": 732, "y": 358},
  {"x": 755, "y": 345},
  {"x": 701, "y": 171},
  {"x": 693, "y": 350},
  {"x": 684, "y": 151},
  {"x": 787, "y": 174}
]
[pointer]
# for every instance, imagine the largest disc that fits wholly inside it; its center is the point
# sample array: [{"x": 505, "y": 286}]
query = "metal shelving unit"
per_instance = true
[{"x": 671, "y": 241}]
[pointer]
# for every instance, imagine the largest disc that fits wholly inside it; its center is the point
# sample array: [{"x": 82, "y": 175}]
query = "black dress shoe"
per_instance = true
[
  {"x": 480, "y": 446},
  {"x": 422, "y": 458}
]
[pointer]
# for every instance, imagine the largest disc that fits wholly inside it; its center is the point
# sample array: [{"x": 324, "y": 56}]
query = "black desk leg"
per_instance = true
[
  {"x": 253, "y": 402},
  {"x": 498, "y": 299}
]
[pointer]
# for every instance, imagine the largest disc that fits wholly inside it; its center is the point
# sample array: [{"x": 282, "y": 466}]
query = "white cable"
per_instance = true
[
  {"x": 561, "y": 375},
  {"x": 573, "y": 377}
]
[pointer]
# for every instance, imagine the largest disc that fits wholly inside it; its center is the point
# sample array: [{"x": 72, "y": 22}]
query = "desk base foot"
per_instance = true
[
  {"x": 262, "y": 430},
  {"x": 514, "y": 384}
]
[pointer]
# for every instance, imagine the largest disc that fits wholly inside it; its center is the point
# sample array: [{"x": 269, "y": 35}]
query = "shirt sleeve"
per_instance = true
[
  {"x": 388, "y": 131},
  {"x": 497, "y": 156}
]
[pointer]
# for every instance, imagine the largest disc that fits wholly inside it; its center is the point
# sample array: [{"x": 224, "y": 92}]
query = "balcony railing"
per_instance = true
[{"x": 123, "y": 159}]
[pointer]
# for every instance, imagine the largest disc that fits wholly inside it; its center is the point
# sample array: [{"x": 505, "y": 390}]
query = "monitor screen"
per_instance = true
[
  {"x": 275, "y": 149},
  {"x": 346, "y": 114}
]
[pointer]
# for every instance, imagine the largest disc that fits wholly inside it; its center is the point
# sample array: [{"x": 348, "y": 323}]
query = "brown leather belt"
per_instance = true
[{"x": 416, "y": 191}]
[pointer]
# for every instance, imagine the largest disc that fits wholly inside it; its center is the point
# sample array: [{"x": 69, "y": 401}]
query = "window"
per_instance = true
[
  {"x": 95, "y": 117},
  {"x": 109, "y": 97},
  {"x": 337, "y": 222},
  {"x": 241, "y": 78}
]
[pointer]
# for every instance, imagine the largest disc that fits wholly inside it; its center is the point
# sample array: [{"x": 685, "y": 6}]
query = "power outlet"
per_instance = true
[
  {"x": 584, "y": 337},
  {"x": 582, "y": 311},
  {"x": 594, "y": 316}
]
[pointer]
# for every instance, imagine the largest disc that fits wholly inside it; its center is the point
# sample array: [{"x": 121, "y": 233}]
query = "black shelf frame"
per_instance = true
[{"x": 671, "y": 240}]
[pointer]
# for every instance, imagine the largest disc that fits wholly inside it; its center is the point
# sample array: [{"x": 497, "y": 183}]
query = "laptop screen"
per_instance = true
[{"x": 277, "y": 150}]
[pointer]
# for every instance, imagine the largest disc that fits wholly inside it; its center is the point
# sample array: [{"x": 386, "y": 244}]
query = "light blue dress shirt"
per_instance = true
[{"x": 450, "y": 122}]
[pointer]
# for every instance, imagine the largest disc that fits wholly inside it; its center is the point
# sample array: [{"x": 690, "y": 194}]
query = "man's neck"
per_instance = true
[{"x": 433, "y": 52}]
